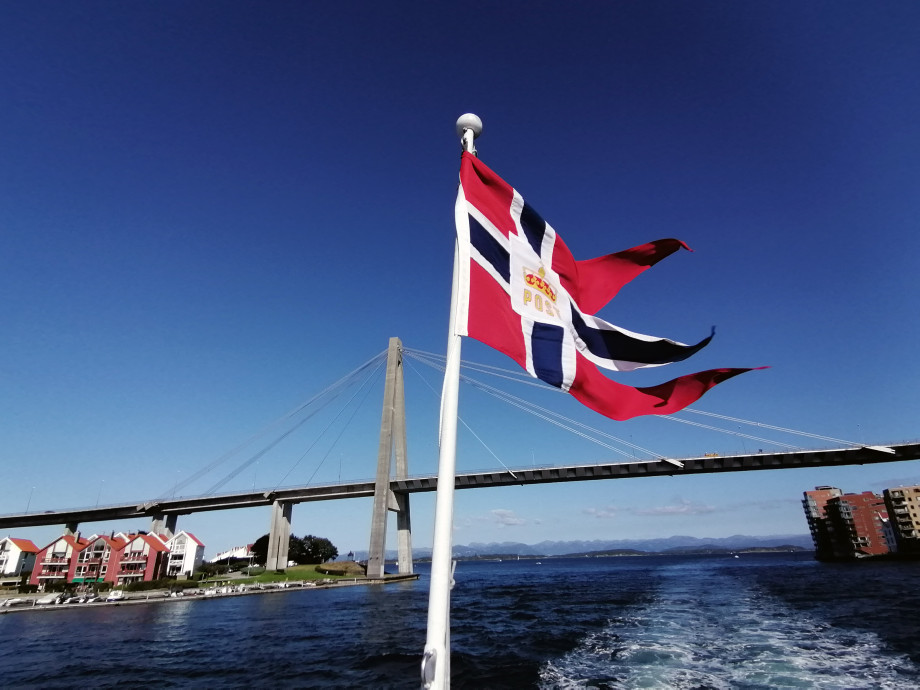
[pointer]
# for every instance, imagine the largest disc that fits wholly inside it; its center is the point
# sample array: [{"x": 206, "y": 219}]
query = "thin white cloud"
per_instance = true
[
  {"x": 605, "y": 513},
  {"x": 681, "y": 507},
  {"x": 506, "y": 518}
]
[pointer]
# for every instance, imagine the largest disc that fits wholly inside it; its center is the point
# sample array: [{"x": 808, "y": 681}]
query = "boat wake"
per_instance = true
[{"x": 719, "y": 637}]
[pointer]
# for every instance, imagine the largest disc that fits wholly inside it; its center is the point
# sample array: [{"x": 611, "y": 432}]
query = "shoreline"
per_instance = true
[{"x": 160, "y": 596}]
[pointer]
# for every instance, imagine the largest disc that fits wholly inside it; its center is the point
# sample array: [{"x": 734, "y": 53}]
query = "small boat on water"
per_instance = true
[
  {"x": 14, "y": 602},
  {"x": 117, "y": 595}
]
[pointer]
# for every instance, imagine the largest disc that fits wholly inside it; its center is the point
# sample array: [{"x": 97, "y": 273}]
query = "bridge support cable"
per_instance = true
[
  {"x": 459, "y": 418},
  {"x": 518, "y": 376},
  {"x": 554, "y": 418},
  {"x": 559, "y": 420},
  {"x": 709, "y": 427},
  {"x": 782, "y": 429},
  {"x": 318, "y": 402},
  {"x": 250, "y": 461},
  {"x": 328, "y": 391},
  {"x": 526, "y": 379},
  {"x": 363, "y": 387}
]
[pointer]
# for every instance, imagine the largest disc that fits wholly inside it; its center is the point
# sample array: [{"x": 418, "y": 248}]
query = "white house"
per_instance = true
[
  {"x": 233, "y": 553},
  {"x": 17, "y": 556},
  {"x": 186, "y": 553}
]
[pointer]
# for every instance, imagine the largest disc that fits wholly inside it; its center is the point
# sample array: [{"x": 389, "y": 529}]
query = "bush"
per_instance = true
[
  {"x": 183, "y": 584},
  {"x": 209, "y": 570},
  {"x": 59, "y": 587},
  {"x": 28, "y": 589},
  {"x": 163, "y": 583}
]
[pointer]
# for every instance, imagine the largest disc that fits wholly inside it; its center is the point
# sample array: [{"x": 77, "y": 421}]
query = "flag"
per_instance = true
[{"x": 522, "y": 293}]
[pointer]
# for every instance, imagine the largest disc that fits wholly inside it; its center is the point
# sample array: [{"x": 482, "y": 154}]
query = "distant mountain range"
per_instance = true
[{"x": 738, "y": 542}]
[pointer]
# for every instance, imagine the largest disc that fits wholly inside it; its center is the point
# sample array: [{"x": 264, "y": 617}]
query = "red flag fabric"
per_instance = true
[{"x": 522, "y": 293}]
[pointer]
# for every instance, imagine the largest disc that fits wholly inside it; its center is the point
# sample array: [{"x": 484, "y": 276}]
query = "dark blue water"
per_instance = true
[{"x": 759, "y": 621}]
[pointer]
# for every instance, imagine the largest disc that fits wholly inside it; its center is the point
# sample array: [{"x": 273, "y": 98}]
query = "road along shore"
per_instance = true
[{"x": 29, "y": 602}]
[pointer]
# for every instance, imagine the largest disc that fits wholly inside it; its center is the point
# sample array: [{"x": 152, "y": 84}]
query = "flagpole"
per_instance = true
[{"x": 436, "y": 660}]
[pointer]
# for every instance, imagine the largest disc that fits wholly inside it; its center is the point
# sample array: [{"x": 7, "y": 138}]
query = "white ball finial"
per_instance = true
[{"x": 470, "y": 122}]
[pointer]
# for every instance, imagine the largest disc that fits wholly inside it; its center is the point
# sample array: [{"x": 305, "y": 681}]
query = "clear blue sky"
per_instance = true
[{"x": 210, "y": 211}]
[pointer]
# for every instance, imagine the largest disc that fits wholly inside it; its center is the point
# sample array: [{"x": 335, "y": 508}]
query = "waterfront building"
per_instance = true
[
  {"x": 53, "y": 563},
  {"x": 17, "y": 556},
  {"x": 856, "y": 525},
  {"x": 846, "y": 526},
  {"x": 186, "y": 553},
  {"x": 143, "y": 558},
  {"x": 233, "y": 553},
  {"x": 890, "y": 536},
  {"x": 903, "y": 505},
  {"x": 815, "y": 505},
  {"x": 96, "y": 562},
  {"x": 118, "y": 558}
]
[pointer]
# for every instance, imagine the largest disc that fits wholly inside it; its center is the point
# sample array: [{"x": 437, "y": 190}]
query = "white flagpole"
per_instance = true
[{"x": 436, "y": 661}]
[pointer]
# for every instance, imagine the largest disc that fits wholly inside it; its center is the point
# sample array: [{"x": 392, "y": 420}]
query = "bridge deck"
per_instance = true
[{"x": 535, "y": 475}]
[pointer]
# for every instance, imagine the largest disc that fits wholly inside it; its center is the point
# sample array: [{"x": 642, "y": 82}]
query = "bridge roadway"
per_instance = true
[{"x": 868, "y": 455}]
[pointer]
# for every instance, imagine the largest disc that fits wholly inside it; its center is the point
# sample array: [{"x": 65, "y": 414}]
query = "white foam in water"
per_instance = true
[{"x": 721, "y": 637}]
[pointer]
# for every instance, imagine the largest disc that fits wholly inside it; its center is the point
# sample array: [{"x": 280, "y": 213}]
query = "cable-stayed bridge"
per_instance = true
[
  {"x": 521, "y": 476},
  {"x": 391, "y": 490}
]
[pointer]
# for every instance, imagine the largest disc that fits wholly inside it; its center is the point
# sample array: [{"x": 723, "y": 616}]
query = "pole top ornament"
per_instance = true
[{"x": 471, "y": 122}]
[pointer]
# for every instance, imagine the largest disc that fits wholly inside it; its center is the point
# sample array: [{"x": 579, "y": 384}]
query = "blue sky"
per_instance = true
[{"x": 209, "y": 212}]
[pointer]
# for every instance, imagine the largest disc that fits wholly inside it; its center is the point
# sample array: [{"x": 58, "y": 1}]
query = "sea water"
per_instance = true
[{"x": 756, "y": 621}]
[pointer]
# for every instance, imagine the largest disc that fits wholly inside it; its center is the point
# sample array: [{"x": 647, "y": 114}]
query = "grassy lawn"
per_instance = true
[{"x": 295, "y": 573}]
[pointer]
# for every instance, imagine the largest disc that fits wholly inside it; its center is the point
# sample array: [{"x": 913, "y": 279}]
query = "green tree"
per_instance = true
[
  {"x": 297, "y": 551},
  {"x": 259, "y": 550},
  {"x": 310, "y": 549},
  {"x": 319, "y": 549}
]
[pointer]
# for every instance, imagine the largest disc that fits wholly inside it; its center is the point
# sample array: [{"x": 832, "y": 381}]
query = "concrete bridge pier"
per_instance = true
[
  {"x": 403, "y": 534},
  {"x": 164, "y": 524},
  {"x": 71, "y": 528},
  {"x": 392, "y": 437},
  {"x": 279, "y": 536}
]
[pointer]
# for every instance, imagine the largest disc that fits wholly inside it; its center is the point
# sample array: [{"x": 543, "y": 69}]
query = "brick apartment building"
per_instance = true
[{"x": 846, "y": 526}]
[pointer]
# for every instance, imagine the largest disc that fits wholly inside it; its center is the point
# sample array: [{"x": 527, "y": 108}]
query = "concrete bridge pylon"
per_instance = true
[
  {"x": 279, "y": 536},
  {"x": 392, "y": 439},
  {"x": 164, "y": 524}
]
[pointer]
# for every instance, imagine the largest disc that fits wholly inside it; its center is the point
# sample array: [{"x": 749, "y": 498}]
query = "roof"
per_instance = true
[
  {"x": 194, "y": 539},
  {"x": 113, "y": 543},
  {"x": 187, "y": 534},
  {"x": 24, "y": 545},
  {"x": 74, "y": 542},
  {"x": 154, "y": 542}
]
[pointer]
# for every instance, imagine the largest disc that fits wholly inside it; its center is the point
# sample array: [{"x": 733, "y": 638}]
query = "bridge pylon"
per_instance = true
[
  {"x": 279, "y": 536},
  {"x": 392, "y": 438},
  {"x": 164, "y": 524}
]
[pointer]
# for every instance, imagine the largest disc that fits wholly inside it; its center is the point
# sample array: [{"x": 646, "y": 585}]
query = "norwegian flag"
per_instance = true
[{"x": 522, "y": 293}]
